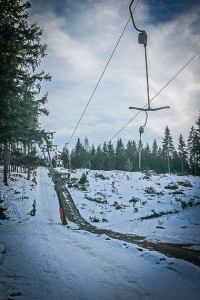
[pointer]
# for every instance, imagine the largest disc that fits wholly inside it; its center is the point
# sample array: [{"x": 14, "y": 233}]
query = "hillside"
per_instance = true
[{"x": 41, "y": 259}]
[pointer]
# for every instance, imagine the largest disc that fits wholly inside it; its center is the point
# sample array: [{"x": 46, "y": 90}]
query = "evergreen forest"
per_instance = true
[
  {"x": 21, "y": 105},
  {"x": 20, "y": 101},
  {"x": 162, "y": 159}
]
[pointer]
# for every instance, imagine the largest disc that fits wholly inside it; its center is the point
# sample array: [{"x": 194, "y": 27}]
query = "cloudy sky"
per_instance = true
[{"x": 81, "y": 36}]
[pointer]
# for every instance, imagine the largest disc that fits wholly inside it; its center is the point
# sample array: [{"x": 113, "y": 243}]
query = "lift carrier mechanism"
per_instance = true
[{"x": 142, "y": 39}]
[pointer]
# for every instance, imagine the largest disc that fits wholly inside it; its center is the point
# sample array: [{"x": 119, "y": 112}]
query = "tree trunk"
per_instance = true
[
  {"x": 6, "y": 163},
  {"x": 168, "y": 161}
]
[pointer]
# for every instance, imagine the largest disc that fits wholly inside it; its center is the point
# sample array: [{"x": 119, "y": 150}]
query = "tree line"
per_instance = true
[
  {"x": 21, "y": 105},
  {"x": 20, "y": 101},
  {"x": 162, "y": 159}
]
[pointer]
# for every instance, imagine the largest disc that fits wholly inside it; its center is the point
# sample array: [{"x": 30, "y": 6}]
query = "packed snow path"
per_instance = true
[{"x": 40, "y": 259}]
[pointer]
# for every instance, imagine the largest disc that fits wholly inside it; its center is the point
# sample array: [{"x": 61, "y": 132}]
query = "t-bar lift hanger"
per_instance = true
[{"x": 142, "y": 39}]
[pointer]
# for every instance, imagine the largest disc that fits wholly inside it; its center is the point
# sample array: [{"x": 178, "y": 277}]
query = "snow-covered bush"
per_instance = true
[
  {"x": 100, "y": 197},
  {"x": 185, "y": 183},
  {"x": 101, "y": 176},
  {"x": 150, "y": 190},
  {"x": 83, "y": 179},
  {"x": 134, "y": 200},
  {"x": 94, "y": 219},
  {"x": 171, "y": 186}
]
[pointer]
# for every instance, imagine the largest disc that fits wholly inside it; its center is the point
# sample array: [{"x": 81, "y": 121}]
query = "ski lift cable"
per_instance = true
[
  {"x": 101, "y": 76},
  {"x": 156, "y": 94},
  {"x": 147, "y": 104}
]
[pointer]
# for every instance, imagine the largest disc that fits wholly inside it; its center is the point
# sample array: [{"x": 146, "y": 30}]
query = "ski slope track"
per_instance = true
[{"x": 41, "y": 259}]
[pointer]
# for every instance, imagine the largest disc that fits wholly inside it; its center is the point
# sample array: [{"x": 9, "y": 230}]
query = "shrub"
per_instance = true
[
  {"x": 95, "y": 219},
  {"x": 183, "y": 204},
  {"x": 101, "y": 176},
  {"x": 134, "y": 200},
  {"x": 83, "y": 179},
  {"x": 171, "y": 186},
  {"x": 185, "y": 183},
  {"x": 150, "y": 190}
]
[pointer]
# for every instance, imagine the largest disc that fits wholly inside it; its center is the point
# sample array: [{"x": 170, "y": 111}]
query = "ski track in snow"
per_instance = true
[{"x": 41, "y": 259}]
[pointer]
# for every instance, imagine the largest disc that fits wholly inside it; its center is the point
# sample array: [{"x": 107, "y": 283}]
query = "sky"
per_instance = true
[{"x": 81, "y": 36}]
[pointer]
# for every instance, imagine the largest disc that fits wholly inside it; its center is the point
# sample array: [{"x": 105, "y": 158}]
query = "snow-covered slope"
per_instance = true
[
  {"x": 145, "y": 204},
  {"x": 41, "y": 259}
]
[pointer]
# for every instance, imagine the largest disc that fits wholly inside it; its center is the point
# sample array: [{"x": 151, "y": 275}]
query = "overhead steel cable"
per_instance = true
[
  {"x": 101, "y": 76},
  {"x": 147, "y": 104},
  {"x": 157, "y": 94}
]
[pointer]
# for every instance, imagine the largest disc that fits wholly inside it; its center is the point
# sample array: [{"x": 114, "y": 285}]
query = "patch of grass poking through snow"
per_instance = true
[
  {"x": 99, "y": 198},
  {"x": 117, "y": 205},
  {"x": 94, "y": 219},
  {"x": 101, "y": 176},
  {"x": 135, "y": 200},
  {"x": 114, "y": 189},
  {"x": 157, "y": 215}
]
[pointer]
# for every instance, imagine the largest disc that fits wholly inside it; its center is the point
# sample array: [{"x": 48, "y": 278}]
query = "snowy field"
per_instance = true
[
  {"x": 162, "y": 207},
  {"x": 41, "y": 259}
]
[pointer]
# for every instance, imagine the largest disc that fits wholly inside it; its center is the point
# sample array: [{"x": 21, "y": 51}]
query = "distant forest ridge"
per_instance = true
[{"x": 162, "y": 159}]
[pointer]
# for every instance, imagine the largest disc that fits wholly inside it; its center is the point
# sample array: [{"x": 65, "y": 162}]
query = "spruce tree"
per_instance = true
[
  {"x": 120, "y": 157},
  {"x": 21, "y": 53},
  {"x": 131, "y": 155},
  {"x": 111, "y": 156},
  {"x": 65, "y": 157},
  {"x": 182, "y": 152},
  {"x": 105, "y": 157},
  {"x": 99, "y": 158},
  {"x": 147, "y": 156},
  {"x": 78, "y": 154},
  {"x": 193, "y": 148},
  {"x": 198, "y": 138},
  {"x": 168, "y": 147},
  {"x": 154, "y": 164},
  {"x": 92, "y": 154}
]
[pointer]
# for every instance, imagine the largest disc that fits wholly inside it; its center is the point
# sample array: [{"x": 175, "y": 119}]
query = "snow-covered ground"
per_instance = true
[
  {"x": 41, "y": 259},
  {"x": 144, "y": 204}
]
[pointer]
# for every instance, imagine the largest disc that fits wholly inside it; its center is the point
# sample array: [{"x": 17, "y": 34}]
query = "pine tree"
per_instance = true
[
  {"x": 65, "y": 157},
  {"x": 193, "y": 148},
  {"x": 147, "y": 157},
  {"x": 131, "y": 155},
  {"x": 182, "y": 152},
  {"x": 198, "y": 138},
  {"x": 99, "y": 158},
  {"x": 111, "y": 156},
  {"x": 21, "y": 53},
  {"x": 86, "y": 144},
  {"x": 168, "y": 147},
  {"x": 154, "y": 157},
  {"x": 105, "y": 157},
  {"x": 120, "y": 157},
  {"x": 92, "y": 157},
  {"x": 78, "y": 155},
  {"x": 175, "y": 163}
]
